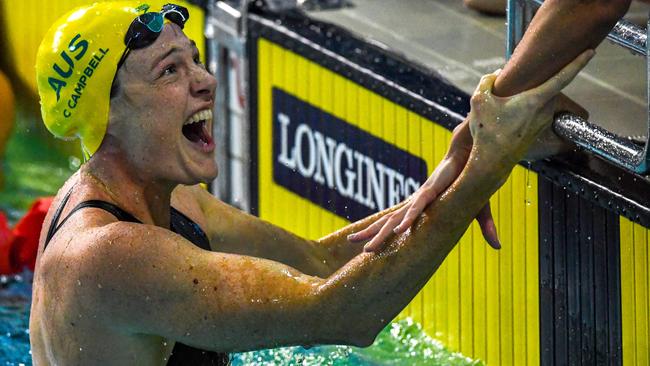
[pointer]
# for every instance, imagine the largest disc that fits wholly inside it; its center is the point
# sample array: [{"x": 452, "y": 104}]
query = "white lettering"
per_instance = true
[
  {"x": 326, "y": 159},
  {"x": 336, "y": 165},
  {"x": 306, "y": 171},
  {"x": 375, "y": 184},
  {"x": 395, "y": 187},
  {"x": 346, "y": 191},
  {"x": 284, "y": 158},
  {"x": 359, "y": 195}
]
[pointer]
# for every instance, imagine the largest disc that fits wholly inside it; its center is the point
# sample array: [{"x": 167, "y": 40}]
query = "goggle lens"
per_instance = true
[{"x": 146, "y": 28}]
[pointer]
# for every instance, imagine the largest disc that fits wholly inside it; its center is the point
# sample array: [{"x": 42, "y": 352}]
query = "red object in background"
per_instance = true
[
  {"x": 6, "y": 240},
  {"x": 20, "y": 248}
]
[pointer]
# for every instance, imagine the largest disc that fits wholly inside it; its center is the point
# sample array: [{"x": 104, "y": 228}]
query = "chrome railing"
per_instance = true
[{"x": 618, "y": 149}]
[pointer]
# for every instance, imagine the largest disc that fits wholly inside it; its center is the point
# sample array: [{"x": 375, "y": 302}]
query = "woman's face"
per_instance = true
[{"x": 162, "y": 113}]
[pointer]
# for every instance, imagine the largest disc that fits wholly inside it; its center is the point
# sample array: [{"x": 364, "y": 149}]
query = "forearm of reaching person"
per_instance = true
[
  {"x": 233, "y": 231},
  {"x": 561, "y": 30},
  {"x": 373, "y": 288}
]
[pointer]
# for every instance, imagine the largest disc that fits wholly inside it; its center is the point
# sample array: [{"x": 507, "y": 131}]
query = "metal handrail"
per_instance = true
[
  {"x": 610, "y": 146},
  {"x": 630, "y": 36}
]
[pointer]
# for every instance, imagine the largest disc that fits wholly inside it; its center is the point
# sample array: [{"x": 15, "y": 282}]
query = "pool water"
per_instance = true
[{"x": 33, "y": 169}]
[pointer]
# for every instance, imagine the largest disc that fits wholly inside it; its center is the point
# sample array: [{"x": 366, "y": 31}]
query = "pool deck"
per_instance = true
[{"x": 462, "y": 45}]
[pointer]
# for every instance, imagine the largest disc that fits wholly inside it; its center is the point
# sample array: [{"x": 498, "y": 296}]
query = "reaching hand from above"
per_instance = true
[{"x": 520, "y": 117}]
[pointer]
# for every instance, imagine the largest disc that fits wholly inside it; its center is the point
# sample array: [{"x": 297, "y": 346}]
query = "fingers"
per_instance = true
[
  {"x": 378, "y": 241},
  {"x": 414, "y": 211},
  {"x": 368, "y": 232},
  {"x": 488, "y": 228},
  {"x": 484, "y": 87},
  {"x": 555, "y": 84},
  {"x": 461, "y": 139},
  {"x": 486, "y": 82}
]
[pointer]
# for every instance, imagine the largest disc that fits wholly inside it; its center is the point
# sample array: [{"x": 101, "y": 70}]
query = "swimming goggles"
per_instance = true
[{"x": 146, "y": 28}]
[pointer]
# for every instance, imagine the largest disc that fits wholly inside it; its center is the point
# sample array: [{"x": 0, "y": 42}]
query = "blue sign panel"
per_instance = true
[{"x": 336, "y": 165}]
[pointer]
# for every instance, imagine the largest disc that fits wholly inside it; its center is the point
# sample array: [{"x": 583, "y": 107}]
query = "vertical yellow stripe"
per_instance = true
[
  {"x": 466, "y": 301},
  {"x": 532, "y": 269},
  {"x": 278, "y": 78},
  {"x": 388, "y": 120},
  {"x": 264, "y": 67},
  {"x": 641, "y": 298},
  {"x": 505, "y": 272},
  {"x": 492, "y": 304},
  {"x": 518, "y": 248},
  {"x": 479, "y": 293},
  {"x": 635, "y": 293},
  {"x": 453, "y": 297}
]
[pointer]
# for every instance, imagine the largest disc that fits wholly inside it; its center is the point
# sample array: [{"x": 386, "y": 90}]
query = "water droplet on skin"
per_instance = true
[{"x": 78, "y": 282}]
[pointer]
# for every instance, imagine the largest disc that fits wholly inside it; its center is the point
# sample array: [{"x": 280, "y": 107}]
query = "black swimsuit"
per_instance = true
[{"x": 180, "y": 224}]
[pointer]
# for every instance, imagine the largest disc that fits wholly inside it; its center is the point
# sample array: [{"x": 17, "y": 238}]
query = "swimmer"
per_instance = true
[
  {"x": 559, "y": 31},
  {"x": 138, "y": 265}
]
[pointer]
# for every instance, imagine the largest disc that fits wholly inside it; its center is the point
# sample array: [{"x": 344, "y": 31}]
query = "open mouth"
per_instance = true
[{"x": 196, "y": 130}]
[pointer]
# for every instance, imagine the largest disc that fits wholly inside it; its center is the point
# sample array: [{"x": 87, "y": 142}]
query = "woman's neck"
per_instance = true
[{"x": 146, "y": 198}]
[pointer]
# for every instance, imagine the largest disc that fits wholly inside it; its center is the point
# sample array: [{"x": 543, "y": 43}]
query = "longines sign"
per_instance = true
[{"x": 336, "y": 165}]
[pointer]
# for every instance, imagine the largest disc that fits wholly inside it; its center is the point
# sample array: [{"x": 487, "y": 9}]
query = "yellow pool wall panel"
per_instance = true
[
  {"x": 481, "y": 302},
  {"x": 635, "y": 293}
]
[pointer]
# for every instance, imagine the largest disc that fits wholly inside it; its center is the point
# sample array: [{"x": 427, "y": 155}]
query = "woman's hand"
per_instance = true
[
  {"x": 444, "y": 174},
  {"x": 496, "y": 128}
]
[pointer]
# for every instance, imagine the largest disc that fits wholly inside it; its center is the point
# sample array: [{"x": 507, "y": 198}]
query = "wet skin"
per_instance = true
[{"x": 109, "y": 292}]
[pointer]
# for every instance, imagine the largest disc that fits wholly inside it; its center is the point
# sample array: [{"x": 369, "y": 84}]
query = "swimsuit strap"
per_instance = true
[
  {"x": 53, "y": 227},
  {"x": 114, "y": 210},
  {"x": 190, "y": 230}
]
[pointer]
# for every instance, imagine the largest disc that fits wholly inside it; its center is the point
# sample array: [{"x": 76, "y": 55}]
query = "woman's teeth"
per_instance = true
[{"x": 204, "y": 115}]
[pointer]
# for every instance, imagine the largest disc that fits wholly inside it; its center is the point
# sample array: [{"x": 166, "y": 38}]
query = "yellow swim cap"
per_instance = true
[{"x": 75, "y": 66}]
